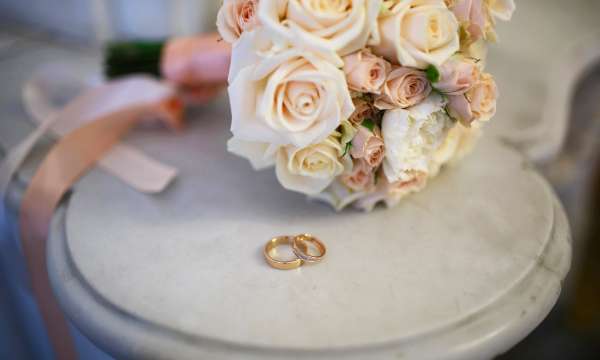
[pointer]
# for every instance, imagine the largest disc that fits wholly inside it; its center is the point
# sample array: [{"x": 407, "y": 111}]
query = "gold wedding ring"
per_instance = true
[
  {"x": 300, "y": 247},
  {"x": 278, "y": 263}
]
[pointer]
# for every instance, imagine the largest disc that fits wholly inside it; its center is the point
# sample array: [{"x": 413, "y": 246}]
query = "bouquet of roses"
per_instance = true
[{"x": 358, "y": 101}]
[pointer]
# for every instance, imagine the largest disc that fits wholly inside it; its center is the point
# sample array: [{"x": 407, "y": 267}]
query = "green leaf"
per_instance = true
[
  {"x": 347, "y": 148},
  {"x": 433, "y": 74},
  {"x": 347, "y": 132},
  {"x": 369, "y": 124}
]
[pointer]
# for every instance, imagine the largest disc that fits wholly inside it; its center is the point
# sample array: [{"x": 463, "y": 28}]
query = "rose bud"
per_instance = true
[
  {"x": 368, "y": 145},
  {"x": 361, "y": 178},
  {"x": 365, "y": 72},
  {"x": 457, "y": 76}
]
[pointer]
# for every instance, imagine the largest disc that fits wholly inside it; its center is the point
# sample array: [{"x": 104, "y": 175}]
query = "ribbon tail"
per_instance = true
[{"x": 66, "y": 162}]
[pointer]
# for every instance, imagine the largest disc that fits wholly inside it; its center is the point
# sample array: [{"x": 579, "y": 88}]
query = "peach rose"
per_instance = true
[
  {"x": 365, "y": 72},
  {"x": 479, "y": 103},
  {"x": 391, "y": 193},
  {"x": 482, "y": 98},
  {"x": 361, "y": 178},
  {"x": 457, "y": 76},
  {"x": 368, "y": 145},
  {"x": 363, "y": 109},
  {"x": 235, "y": 17},
  {"x": 470, "y": 13},
  {"x": 403, "y": 88}
]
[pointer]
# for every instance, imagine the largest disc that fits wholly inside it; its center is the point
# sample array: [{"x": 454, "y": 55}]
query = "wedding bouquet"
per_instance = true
[{"x": 358, "y": 101}]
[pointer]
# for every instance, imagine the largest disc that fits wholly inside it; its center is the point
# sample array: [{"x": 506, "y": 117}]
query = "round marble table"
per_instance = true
[{"x": 463, "y": 270}]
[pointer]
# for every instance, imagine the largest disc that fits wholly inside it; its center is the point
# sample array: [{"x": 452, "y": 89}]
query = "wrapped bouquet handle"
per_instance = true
[{"x": 197, "y": 65}]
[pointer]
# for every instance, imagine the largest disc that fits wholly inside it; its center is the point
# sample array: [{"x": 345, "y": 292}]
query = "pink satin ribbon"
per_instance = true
[
  {"x": 129, "y": 164},
  {"x": 92, "y": 126},
  {"x": 66, "y": 162}
]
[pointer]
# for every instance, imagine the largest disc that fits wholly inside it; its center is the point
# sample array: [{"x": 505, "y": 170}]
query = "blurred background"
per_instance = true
[{"x": 539, "y": 65}]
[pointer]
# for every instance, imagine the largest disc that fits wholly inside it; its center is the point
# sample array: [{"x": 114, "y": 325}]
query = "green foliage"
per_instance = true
[
  {"x": 369, "y": 124},
  {"x": 133, "y": 57},
  {"x": 433, "y": 74}
]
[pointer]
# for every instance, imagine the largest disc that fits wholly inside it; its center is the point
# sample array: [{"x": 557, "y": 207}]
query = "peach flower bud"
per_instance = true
[
  {"x": 362, "y": 110},
  {"x": 457, "y": 76},
  {"x": 403, "y": 88},
  {"x": 470, "y": 13},
  {"x": 365, "y": 72},
  {"x": 361, "y": 178},
  {"x": 482, "y": 98},
  {"x": 415, "y": 183},
  {"x": 368, "y": 145},
  {"x": 235, "y": 17},
  {"x": 459, "y": 108}
]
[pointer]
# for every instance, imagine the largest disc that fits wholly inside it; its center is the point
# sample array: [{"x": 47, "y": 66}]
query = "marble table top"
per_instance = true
[{"x": 462, "y": 270}]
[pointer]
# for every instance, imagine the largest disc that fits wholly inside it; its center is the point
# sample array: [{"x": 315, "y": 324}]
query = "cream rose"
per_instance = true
[
  {"x": 260, "y": 155},
  {"x": 368, "y": 146},
  {"x": 330, "y": 27},
  {"x": 292, "y": 98},
  {"x": 311, "y": 169},
  {"x": 457, "y": 76},
  {"x": 501, "y": 9},
  {"x": 459, "y": 142},
  {"x": 412, "y": 136},
  {"x": 338, "y": 195},
  {"x": 418, "y": 33},
  {"x": 403, "y": 88},
  {"x": 366, "y": 72},
  {"x": 236, "y": 17}
]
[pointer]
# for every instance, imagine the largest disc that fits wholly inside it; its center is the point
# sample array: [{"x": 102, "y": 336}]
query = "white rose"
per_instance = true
[
  {"x": 411, "y": 137},
  {"x": 260, "y": 155},
  {"x": 417, "y": 33},
  {"x": 311, "y": 169},
  {"x": 330, "y": 27},
  {"x": 292, "y": 98}
]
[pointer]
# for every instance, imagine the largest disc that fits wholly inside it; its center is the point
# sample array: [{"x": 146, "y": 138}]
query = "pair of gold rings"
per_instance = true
[{"x": 300, "y": 246}]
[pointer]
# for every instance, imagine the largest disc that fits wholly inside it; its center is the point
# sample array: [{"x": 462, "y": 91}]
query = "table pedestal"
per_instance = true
[{"x": 463, "y": 270}]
